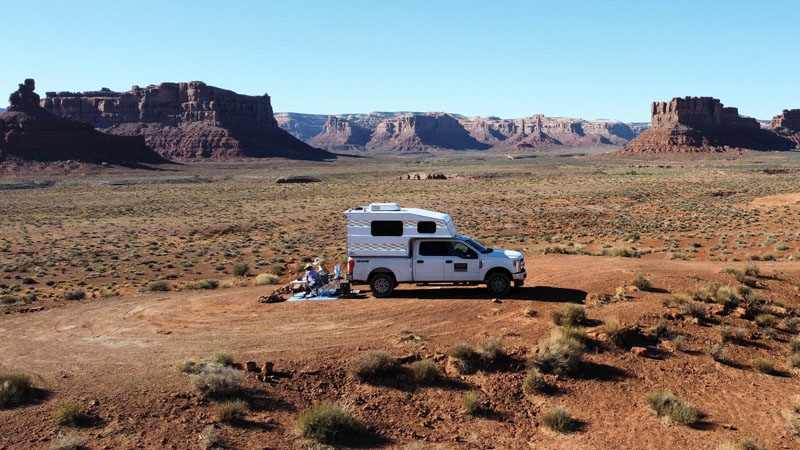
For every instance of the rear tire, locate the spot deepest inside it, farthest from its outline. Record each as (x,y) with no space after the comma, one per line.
(498,284)
(382,285)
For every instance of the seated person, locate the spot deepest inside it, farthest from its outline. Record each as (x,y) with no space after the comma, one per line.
(311,278)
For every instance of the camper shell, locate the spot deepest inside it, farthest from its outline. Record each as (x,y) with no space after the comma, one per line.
(387,229)
(388,245)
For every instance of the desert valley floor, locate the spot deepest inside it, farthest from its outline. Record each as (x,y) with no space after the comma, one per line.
(588,224)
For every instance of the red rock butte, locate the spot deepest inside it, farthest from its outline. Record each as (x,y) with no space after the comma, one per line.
(186,121)
(702,124)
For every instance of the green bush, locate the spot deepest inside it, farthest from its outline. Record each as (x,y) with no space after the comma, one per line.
(558,355)
(241,270)
(231,412)
(577,333)
(534,382)
(471,403)
(559,420)
(762,365)
(794,361)
(694,309)
(70,413)
(157,286)
(372,365)
(794,344)
(765,320)
(749,444)
(568,315)
(207,284)
(623,252)
(264,279)
(613,329)
(678,411)
(490,350)
(728,334)
(329,424)
(424,371)
(725,297)
(641,283)
(15,389)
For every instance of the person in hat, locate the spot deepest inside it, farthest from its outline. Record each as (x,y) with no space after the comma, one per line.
(311,278)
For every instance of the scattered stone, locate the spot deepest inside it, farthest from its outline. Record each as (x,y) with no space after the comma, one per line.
(250,366)
(639,351)
(266,368)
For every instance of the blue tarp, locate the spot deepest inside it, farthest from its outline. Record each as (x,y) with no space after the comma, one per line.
(326,294)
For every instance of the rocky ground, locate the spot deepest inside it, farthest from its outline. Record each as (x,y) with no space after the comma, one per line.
(688,226)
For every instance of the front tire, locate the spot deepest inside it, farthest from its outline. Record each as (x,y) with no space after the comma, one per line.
(518,283)
(382,285)
(498,284)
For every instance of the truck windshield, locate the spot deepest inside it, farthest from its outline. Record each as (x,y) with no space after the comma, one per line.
(478,246)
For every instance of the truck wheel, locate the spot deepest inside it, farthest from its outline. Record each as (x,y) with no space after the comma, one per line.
(382,285)
(518,283)
(498,284)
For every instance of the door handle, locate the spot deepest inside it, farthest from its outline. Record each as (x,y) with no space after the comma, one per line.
(449,261)
(419,261)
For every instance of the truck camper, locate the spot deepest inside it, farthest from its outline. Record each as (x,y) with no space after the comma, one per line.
(388,245)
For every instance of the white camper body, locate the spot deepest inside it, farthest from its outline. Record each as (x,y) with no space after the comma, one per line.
(388,245)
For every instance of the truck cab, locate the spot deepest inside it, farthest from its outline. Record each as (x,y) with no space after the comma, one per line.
(388,245)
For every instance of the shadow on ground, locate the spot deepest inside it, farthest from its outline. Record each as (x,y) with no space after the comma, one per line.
(537,293)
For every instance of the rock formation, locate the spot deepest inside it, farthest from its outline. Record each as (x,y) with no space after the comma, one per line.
(340,133)
(302,126)
(186,121)
(787,125)
(28,132)
(422,132)
(702,124)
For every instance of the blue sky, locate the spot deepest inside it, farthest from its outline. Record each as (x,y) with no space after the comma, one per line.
(589,59)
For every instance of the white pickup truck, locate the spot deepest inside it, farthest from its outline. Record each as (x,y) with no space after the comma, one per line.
(388,245)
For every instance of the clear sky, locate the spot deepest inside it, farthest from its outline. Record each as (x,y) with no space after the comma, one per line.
(589,59)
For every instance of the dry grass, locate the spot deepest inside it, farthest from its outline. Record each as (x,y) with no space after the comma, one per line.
(559,420)
(558,354)
(568,315)
(15,389)
(329,423)
(372,365)
(676,410)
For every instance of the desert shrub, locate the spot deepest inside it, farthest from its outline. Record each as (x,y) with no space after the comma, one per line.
(559,420)
(534,382)
(793,421)
(210,439)
(641,283)
(717,352)
(613,329)
(725,446)
(694,309)
(705,295)
(231,412)
(725,297)
(763,365)
(749,444)
(463,358)
(743,291)
(529,312)
(770,333)
(329,423)
(791,322)
(676,410)
(70,413)
(794,360)
(794,344)
(76,294)
(470,402)
(13,300)
(568,315)
(558,354)
(241,269)
(660,329)
(264,279)
(558,250)
(157,286)
(577,333)
(679,342)
(729,334)
(67,442)
(277,269)
(203,284)
(490,349)
(765,320)
(222,358)
(217,381)
(372,365)
(424,371)
(752,270)
(622,252)
(406,335)
(680,299)
(15,389)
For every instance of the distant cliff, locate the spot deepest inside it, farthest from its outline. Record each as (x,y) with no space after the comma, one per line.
(186,121)
(403,131)
(702,124)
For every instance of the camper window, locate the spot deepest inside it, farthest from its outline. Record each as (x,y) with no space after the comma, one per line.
(426,227)
(387,227)
(433,248)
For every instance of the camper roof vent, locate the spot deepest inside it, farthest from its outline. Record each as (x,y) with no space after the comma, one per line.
(384,207)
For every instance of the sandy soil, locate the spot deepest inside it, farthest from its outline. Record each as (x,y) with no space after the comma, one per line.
(118,357)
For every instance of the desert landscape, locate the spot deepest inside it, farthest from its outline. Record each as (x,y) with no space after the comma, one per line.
(155,241)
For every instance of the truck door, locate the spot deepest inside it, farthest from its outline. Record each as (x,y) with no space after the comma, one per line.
(461,263)
(429,260)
